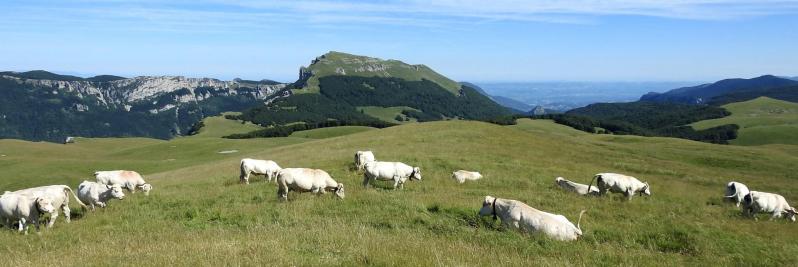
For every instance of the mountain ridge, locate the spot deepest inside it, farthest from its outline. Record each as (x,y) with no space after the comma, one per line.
(702,94)
(37,106)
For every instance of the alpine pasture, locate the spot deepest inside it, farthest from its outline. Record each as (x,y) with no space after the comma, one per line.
(198,213)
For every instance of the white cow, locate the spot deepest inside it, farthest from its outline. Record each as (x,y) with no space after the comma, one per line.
(390,171)
(735,192)
(578,188)
(461,176)
(129,180)
(306,180)
(266,168)
(755,202)
(97,194)
(521,216)
(619,183)
(59,195)
(23,209)
(363,157)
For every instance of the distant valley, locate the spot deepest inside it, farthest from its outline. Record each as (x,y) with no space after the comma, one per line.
(564,96)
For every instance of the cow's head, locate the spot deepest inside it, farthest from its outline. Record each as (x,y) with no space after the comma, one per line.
(339,191)
(646,190)
(146,188)
(44,205)
(487,206)
(790,213)
(116,191)
(416,174)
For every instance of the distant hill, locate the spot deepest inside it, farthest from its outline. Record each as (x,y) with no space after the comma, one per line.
(515,105)
(40,105)
(787,93)
(343,64)
(704,93)
(652,119)
(365,91)
(667,114)
(41,75)
(762,121)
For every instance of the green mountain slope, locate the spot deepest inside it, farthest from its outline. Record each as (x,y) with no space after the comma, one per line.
(198,209)
(395,90)
(762,121)
(337,63)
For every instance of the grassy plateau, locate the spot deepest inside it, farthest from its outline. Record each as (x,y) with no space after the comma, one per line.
(762,121)
(198,214)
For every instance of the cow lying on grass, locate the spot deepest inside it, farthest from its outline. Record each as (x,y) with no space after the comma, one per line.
(461,176)
(516,214)
(578,188)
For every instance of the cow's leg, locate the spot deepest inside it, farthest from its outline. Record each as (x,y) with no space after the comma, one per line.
(395,183)
(67,213)
(365,180)
(53,217)
(21,225)
(101,204)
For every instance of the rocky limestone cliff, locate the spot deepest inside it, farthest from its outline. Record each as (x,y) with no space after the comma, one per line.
(126,93)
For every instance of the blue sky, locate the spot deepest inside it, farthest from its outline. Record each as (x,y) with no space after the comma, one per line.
(468,40)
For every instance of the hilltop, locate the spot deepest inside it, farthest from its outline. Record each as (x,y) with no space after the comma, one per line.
(198,208)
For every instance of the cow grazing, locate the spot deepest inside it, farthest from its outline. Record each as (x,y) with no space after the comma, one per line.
(761,202)
(363,157)
(266,168)
(735,192)
(306,180)
(521,216)
(59,195)
(619,183)
(390,171)
(461,176)
(578,188)
(97,194)
(23,209)
(129,180)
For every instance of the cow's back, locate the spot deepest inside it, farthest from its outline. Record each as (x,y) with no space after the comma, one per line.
(56,193)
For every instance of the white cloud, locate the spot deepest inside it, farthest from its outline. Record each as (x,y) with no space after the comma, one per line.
(218,15)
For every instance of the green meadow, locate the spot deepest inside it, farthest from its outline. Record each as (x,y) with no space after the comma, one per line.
(762,121)
(198,214)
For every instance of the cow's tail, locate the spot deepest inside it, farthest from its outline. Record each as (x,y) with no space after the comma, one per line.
(241,176)
(598,176)
(579,221)
(68,191)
